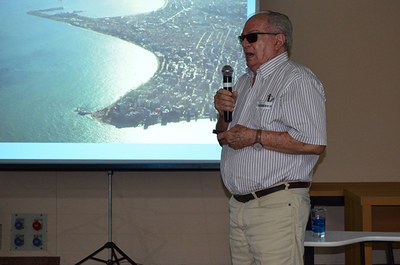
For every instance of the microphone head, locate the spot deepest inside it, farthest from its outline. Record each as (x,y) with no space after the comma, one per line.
(227,70)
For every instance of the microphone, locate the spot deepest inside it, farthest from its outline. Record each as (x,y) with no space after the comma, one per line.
(227,72)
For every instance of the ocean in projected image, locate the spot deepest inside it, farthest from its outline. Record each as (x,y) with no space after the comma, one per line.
(114,71)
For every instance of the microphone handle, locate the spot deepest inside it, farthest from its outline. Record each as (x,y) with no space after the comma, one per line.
(227,116)
(227,83)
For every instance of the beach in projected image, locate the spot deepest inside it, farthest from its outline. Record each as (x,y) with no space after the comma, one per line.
(131,72)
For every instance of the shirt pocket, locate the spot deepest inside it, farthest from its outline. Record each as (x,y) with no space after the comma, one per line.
(265,114)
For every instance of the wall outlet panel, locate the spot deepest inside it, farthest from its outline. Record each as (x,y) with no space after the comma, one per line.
(28,231)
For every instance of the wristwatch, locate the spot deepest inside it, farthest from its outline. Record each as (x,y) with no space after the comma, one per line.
(258,145)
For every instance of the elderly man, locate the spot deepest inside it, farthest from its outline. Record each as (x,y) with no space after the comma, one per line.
(271,146)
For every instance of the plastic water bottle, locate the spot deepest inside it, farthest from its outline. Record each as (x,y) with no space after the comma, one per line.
(318,222)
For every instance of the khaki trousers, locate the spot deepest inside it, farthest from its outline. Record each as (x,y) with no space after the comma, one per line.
(269,230)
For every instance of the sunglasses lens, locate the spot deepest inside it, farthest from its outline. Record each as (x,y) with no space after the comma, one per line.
(251,37)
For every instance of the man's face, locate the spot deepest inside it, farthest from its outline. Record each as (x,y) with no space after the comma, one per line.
(265,48)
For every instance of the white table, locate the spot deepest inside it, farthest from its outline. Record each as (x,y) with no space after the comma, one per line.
(343,238)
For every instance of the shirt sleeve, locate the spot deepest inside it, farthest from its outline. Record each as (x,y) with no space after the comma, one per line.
(304,110)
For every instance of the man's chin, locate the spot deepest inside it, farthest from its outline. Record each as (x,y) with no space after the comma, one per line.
(251,65)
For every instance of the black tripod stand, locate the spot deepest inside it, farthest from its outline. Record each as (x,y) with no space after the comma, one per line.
(113,250)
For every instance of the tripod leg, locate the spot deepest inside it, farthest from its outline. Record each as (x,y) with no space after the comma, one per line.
(124,256)
(114,258)
(92,256)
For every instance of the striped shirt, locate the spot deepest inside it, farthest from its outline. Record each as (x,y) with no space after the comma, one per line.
(285,97)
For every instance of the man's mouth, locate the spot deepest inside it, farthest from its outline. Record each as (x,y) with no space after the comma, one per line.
(249,55)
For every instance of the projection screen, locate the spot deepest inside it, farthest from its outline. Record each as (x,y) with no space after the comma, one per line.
(125,84)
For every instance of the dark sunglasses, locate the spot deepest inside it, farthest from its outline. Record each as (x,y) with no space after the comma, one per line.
(252,37)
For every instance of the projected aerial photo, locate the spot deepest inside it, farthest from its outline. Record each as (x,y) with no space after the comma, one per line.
(115,71)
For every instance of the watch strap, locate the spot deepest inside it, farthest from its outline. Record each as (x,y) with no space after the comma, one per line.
(258,136)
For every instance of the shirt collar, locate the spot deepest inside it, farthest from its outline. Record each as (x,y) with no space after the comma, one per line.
(270,66)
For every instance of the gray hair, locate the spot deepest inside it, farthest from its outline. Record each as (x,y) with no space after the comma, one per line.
(280,23)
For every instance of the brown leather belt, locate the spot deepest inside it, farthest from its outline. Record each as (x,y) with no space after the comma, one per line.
(258,194)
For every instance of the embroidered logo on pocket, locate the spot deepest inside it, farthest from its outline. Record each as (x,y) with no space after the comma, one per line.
(264,104)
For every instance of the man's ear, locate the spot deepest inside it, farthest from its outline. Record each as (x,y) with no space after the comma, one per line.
(280,41)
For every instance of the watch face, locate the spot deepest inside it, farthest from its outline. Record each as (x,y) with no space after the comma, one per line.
(257,146)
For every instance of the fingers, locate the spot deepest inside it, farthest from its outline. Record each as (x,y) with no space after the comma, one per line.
(237,137)
(224,100)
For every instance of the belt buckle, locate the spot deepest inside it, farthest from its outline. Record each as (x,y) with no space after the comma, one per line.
(287,185)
